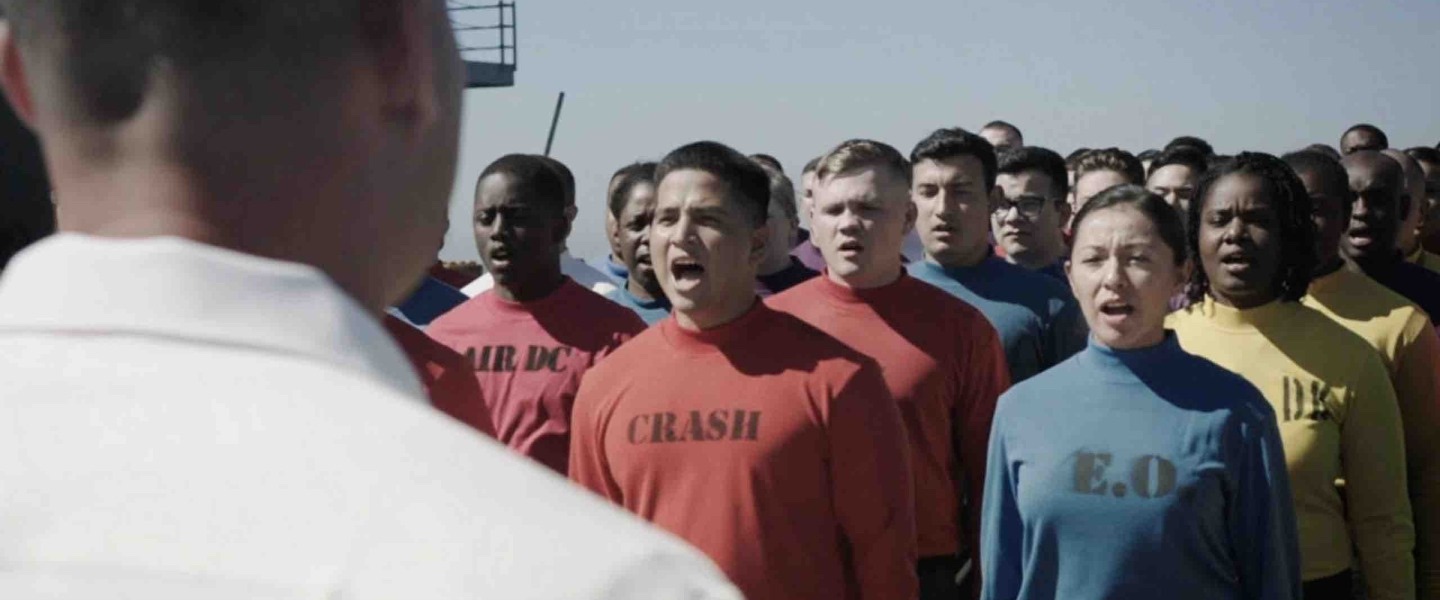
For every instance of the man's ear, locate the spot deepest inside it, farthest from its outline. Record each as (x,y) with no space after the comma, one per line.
(759,241)
(406,60)
(13,78)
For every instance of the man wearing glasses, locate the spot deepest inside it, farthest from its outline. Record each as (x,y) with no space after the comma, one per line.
(1030,212)
(954,192)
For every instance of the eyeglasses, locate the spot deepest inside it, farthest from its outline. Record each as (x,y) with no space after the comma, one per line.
(1029,207)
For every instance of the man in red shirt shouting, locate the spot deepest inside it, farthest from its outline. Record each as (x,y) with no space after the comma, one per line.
(767,444)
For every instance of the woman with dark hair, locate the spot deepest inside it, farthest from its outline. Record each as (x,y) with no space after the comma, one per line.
(1250,228)
(1134,469)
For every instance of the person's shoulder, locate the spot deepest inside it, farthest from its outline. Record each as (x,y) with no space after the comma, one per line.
(595,310)
(506,524)
(469,314)
(925,296)
(798,298)
(797,341)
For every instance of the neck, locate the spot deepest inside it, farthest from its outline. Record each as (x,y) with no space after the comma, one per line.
(529,291)
(968,257)
(701,319)
(1408,247)
(1241,303)
(1328,266)
(775,264)
(1371,263)
(1036,259)
(879,277)
(638,289)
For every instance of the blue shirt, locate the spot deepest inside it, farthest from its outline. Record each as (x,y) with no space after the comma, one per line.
(614,271)
(432,299)
(1037,319)
(651,312)
(1147,473)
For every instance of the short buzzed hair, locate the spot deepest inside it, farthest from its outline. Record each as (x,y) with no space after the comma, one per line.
(768,161)
(1372,130)
(1185,156)
(106,51)
(746,180)
(853,155)
(1111,159)
(566,177)
(1040,160)
(944,144)
(1325,167)
(1424,154)
(1190,141)
(998,124)
(782,193)
(533,175)
(626,179)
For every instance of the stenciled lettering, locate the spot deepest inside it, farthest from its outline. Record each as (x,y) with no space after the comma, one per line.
(1090,472)
(694,426)
(1150,476)
(1318,395)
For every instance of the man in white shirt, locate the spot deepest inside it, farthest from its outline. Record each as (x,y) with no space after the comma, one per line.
(197,399)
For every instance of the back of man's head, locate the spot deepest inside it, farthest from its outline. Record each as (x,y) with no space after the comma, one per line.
(228,121)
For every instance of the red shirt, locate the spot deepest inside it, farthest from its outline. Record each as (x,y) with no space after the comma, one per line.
(530,357)
(448,379)
(944,365)
(765,443)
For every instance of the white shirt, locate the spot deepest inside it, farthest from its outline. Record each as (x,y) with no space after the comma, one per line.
(575,268)
(181,421)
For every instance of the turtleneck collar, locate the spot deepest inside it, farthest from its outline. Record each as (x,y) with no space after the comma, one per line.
(844,294)
(539,305)
(716,339)
(1235,319)
(1130,365)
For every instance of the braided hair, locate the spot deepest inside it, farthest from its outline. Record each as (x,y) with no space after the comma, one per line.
(1296,229)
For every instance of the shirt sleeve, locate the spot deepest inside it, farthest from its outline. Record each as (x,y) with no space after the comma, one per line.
(1372,452)
(1261,514)
(982,378)
(874,493)
(588,464)
(1001,530)
(1068,333)
(1417,387)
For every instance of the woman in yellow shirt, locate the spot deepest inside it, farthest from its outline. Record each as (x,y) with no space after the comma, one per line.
(1250,228)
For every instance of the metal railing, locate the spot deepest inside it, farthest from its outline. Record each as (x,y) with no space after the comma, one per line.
(485,31)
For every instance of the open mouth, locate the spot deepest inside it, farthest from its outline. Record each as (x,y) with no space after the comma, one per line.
(851,247)
(1117,308)
(686,269)
(1236,262)
(1360,237)
(499,254)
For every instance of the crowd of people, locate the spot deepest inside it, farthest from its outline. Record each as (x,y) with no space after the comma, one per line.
(983,369)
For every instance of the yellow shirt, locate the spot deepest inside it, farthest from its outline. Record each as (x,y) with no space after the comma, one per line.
(1410,350)
(1338,420)
(1429,260)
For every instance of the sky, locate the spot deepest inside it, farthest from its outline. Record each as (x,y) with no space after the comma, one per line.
(793,78)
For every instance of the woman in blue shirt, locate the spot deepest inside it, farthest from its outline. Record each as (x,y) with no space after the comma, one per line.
(1134,469)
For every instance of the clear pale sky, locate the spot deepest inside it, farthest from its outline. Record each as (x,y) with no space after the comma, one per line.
(792,78)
